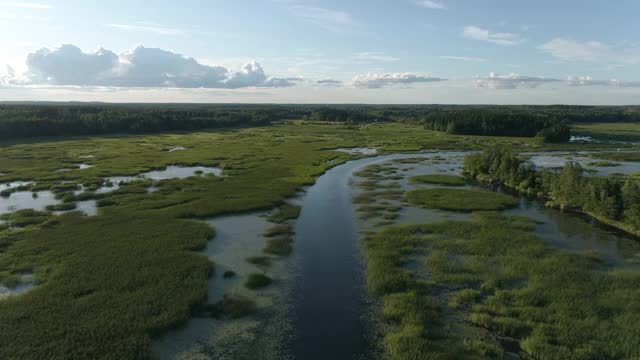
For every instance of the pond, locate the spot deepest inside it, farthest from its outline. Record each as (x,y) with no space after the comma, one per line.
(170,172)
(558,160)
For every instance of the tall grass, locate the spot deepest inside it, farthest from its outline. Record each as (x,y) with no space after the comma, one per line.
(501,285)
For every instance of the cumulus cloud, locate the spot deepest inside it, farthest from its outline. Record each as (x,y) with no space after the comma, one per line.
(570,50)
(431,4)
(141,67)
(478,33)
(68,65)
(376,81)
(510,81)
(281,82)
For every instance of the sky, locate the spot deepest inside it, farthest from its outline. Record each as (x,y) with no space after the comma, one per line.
(322,51)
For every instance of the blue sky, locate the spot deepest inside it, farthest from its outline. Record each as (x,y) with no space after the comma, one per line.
(377,51)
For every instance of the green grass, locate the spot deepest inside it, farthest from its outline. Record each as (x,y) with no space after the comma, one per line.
(285,212)
(280,246)
(628,131)
(461,200)
(257,281)
(259,260)
(437,179)
(499,281)
(279,230)
(82,269)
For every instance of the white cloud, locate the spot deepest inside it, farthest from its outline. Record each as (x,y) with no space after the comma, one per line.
(374,56)
(376,81)
(510,81)
(329,82)
(28,5)
(593,51)
(463,58)
(477,33)
(151,28)
(430,4)
(589,81)
(141,67)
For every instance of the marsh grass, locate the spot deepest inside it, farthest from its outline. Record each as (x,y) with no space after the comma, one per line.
(461,200)
(257,281)
(280,246)
(439,179)
(279,230)
(26,217)
(284,213)
(231,307)
(505,289)
(259,260)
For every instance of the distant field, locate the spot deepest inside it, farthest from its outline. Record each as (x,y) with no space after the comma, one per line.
(619,131)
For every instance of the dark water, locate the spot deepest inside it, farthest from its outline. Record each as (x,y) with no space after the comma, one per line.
(328,312)
(330,309)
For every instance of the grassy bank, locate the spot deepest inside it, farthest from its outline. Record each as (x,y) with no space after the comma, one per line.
(439,179)
(461,200)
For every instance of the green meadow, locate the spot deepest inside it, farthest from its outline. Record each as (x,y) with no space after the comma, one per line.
(439,179)
(460,200)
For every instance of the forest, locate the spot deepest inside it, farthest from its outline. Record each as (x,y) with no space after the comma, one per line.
(613,199)
(551,123)
(499,122)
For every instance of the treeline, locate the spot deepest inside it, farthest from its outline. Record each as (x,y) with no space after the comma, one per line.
(347,115)
(498,122)
(58,119)
(17,121)
(612,199)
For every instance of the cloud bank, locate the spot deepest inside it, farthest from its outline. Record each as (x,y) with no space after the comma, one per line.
(141,67)
(589,81)
(376,81)
(510,81)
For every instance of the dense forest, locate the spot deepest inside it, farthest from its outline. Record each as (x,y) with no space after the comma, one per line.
(614,199)
(55,120)
(498,122)
(58,119)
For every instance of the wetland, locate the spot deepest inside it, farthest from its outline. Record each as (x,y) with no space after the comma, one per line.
(316,240)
